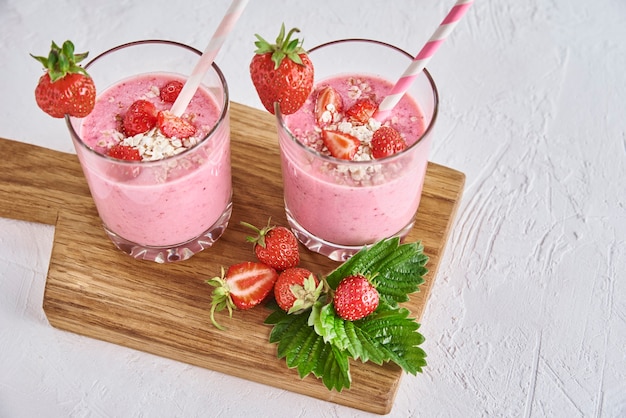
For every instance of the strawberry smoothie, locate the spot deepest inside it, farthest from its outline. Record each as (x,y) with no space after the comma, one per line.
(176,201)
(336,206)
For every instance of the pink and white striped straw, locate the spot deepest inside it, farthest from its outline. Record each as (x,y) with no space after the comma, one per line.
(208,56)
(422,58)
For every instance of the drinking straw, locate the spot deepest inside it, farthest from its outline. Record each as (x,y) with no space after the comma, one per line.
(206,60)
(421,59)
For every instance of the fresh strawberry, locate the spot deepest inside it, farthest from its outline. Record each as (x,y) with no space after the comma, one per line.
(275,246)
(328,105)
(362,110)
(172,126)
(124,152)
(355,298)
(297,289)
(244,286)
(65,88)
(340,145)
(282,72)
(170,91)
(140,117)
(386,141)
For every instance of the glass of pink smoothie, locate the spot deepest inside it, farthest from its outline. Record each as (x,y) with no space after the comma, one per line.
(336,206)
(176,201)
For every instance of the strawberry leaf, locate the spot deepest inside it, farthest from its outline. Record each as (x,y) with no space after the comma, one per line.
(306,351)
(391,335)
(318,341)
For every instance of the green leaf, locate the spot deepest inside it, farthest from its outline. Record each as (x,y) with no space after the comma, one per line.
(393,337)
(319,342)
(306,351)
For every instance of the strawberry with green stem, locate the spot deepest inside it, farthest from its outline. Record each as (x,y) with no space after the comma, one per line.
(282,72)
(243,286)
(297,289)
(65,88)
(275,246)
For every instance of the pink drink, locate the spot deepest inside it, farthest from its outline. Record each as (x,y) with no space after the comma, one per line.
(365,205)
(176,201)
(335,206)
(160,204)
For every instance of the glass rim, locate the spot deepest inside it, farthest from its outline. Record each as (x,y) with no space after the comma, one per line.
(397,155)
(222,117)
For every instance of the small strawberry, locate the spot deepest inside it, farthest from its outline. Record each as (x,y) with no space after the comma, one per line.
(124,152)
(328,105)
(140,117)
(340,145)
(65,88)
(275,246)
(297,289)
(282,72)
(244,286)
(172,126)
(355,298)
(386,141)
(362,110)
(170,91)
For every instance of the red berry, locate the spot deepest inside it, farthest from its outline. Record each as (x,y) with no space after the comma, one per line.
(282,73)
(170,91)
(244,286)
(124,152)
(386,141)
(140,117)
(361,111)
(355,298)
(174,127)
(340,145)
(275,246)
(328,105)
(296,289)
(65,88)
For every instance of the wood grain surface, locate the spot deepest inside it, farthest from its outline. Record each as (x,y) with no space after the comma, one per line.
(95,290)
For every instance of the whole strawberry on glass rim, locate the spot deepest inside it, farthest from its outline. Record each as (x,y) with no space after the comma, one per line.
(282,72)
(65,88)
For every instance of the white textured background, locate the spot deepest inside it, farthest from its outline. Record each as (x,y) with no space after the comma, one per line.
(528,313)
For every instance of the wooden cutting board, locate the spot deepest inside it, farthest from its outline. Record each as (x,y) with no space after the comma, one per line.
(95,290)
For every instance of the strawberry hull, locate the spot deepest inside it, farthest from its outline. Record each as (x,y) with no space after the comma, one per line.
(336,207)
(163,209)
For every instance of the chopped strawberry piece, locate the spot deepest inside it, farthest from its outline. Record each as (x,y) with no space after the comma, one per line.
(139,118)
(328,105)
(173,126)
(249,283)
(386,141)
(124,152)
(340,145)
(361,111)
(169,93)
